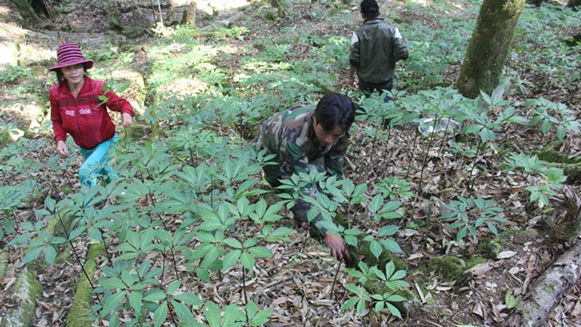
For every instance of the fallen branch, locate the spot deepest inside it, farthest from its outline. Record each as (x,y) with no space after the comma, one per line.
(548,290)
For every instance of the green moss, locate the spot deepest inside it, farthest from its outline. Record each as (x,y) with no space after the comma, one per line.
(27,291)
(64,255)
(490,248)
(473,262)
(447,267)
(77,316)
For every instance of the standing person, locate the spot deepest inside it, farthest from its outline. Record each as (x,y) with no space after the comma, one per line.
(375,48)
(306,139)
(77,110)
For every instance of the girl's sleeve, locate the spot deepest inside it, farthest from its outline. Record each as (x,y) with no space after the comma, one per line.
(55,116)
(116,103)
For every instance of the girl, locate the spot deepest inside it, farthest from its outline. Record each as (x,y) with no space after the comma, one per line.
(77,110)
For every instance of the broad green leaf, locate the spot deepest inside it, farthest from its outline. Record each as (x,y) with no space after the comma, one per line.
(182,311)
(378,297)
(231,315)
(50,254)
(230,259)
(375,204)
(31,255)
(360,307)
(173,286)
(395,298)
(351,240)
(260,252)
(388,230)
(189,298)
(135,301)
(50,203)
(233,243)
(261,317)
(391,206)
(251,308)
(398,275)
(391,246)
(389,269)
(211,256)
(112,303)
(250,243)
(154,295)
(352,288)
(112,283)
(375,249)
(247,260)
(461,233)
(212,314)
(160,314)
(349,303)
(394,311)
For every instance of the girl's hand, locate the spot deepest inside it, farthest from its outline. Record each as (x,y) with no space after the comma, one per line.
(61,148)
(127,119)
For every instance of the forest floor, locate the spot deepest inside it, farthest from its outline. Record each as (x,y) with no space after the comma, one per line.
(297,281)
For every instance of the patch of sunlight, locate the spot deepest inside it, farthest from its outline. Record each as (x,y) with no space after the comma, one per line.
(420,2)
(8,55)
(263,66)
(213,6)
(228,49)
(11,32)
(31,53)
(183,54)
(184,87)
(135,94)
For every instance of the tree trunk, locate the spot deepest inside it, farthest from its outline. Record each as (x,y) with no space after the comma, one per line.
(489,46)
(32,10)
(26,11)
(536,3)
(574,3)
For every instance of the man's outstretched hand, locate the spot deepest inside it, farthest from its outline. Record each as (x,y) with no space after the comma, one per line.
(337,247)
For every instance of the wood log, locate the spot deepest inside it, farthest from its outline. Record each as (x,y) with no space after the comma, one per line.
(548,290)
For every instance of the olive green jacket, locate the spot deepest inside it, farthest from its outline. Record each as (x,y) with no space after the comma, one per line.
(375,48)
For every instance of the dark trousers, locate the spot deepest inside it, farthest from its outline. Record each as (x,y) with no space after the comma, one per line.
(368,88)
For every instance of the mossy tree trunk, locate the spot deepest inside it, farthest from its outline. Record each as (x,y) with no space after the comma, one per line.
(489,46)
(32,10)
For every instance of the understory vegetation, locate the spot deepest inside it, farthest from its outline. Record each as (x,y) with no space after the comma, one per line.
(191,235)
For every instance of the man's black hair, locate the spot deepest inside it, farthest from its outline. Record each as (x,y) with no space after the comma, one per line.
(335,110)
(369,8)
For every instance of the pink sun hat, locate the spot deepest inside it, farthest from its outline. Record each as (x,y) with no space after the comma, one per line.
(69,54)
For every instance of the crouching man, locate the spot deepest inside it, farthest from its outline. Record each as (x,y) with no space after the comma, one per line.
(304,139)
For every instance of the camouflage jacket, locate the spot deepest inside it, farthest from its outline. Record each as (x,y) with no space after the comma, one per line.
(291,137)
(375,48)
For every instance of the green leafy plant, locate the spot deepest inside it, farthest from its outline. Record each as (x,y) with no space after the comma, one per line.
(549,114)
(471,214)
(549,180)
(393,282)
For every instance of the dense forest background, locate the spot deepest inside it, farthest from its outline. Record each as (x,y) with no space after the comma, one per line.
(476,224)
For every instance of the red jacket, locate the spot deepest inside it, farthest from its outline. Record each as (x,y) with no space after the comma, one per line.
(88,123)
